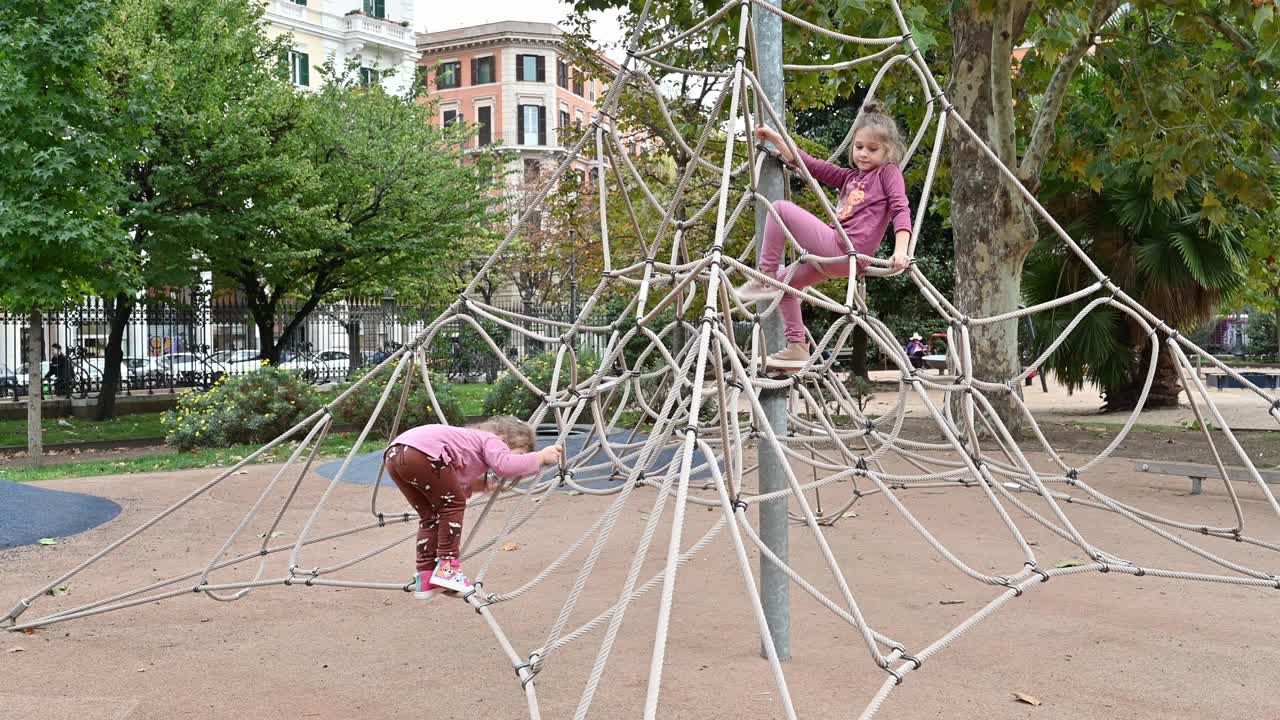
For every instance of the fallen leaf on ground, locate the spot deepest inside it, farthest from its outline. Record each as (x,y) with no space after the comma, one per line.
(950,602)
(56,591)
(275,534)
(28,631)
(47,541)
(1068,563)
(16,648)
(508,547)
(1028,699)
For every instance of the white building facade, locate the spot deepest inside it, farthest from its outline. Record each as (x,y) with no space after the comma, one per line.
(377,32)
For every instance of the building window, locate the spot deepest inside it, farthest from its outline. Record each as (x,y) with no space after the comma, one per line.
(531,124)
(562,74)
(303,3)
(299,68)
(564,119)
(482,70)
(375,8)
(448,75)
(531,68)
(591,90)
(367,77)
(450,117)
(577,118)
(484,118)
(577,82)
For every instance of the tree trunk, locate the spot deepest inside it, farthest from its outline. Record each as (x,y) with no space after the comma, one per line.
(1166,386)
(992,229)
(35,389)
(858,346)
(119,320)
(264,317)
(1277,324)
(353,346)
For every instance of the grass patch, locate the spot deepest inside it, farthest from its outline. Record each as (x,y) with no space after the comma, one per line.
(334,446)
(471,397)
(126,427)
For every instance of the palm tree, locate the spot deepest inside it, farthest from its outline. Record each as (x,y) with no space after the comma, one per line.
(1164,253)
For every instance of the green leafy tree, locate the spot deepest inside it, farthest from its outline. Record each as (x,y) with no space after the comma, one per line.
(382,199)
(1205,69)
(57,169)
(1164,253)
(195,82)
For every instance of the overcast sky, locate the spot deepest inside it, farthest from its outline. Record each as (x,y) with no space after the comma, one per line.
(432,15)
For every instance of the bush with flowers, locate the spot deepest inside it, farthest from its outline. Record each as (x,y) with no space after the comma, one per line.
(356,408)
(252,408)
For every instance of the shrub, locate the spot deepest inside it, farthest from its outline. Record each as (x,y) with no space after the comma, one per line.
(509,396)
(252,408)
(358,406)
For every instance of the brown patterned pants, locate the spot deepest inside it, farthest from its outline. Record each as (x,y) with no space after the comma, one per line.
(435,492)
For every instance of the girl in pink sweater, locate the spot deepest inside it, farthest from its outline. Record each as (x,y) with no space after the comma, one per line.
(437,467)
(871,195)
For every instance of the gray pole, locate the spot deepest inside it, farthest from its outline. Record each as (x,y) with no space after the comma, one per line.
(775,586)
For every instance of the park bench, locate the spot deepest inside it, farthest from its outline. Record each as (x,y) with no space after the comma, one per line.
(1198,472)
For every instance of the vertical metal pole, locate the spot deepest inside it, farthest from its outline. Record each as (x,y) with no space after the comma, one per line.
(573,275)
(775,587)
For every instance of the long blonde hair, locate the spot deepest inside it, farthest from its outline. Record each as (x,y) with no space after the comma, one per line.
(874,117)
(512,431)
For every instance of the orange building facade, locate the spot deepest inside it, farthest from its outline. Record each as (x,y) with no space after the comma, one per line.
(513,80)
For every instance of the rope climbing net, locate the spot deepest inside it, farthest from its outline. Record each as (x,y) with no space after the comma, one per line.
(697,389)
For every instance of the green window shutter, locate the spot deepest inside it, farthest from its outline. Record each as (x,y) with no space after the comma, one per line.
(304,71)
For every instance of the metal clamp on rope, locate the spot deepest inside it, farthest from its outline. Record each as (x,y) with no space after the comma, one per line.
(691,428)
(1017,591)
(1044,576)
(897,676)
(740,504)
(861,465)
(1072,476)
(913,660)
(382,521)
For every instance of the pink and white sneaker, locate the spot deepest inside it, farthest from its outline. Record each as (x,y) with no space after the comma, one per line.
(422,588)
(449,576)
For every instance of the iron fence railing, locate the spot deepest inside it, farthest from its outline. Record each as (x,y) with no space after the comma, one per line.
(183,339)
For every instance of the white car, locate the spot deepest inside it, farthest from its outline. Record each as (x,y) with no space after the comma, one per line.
(191,369)
(238,362)
(326,366)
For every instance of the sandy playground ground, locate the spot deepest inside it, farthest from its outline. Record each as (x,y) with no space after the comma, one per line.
(1105,647)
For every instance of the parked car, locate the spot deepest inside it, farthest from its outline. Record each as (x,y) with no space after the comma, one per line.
(326,366)
(9,383)
(191,369)
(146,372)
(238,362)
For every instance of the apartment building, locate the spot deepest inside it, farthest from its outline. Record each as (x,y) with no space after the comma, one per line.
(377,32)
(514,81)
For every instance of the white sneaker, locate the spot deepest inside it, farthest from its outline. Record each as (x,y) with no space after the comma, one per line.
(448,576)
(756,290)
(795,357)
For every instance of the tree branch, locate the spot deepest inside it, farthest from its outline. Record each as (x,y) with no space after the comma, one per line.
(1003,130)
(1042,130)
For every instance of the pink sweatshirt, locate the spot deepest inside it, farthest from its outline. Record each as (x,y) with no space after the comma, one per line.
(868,200)
(469,452)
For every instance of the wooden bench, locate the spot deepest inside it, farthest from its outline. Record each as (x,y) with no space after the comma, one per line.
(1198,473)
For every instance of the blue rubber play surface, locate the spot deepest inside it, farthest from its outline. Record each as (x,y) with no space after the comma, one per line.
(29,513)
(364,468)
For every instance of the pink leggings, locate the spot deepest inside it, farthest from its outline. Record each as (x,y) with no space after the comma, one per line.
(817,238)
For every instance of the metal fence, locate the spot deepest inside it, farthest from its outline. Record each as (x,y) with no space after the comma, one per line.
(188,339)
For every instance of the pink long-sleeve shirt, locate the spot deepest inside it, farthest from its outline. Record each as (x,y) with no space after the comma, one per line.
(869,200)
(469,452)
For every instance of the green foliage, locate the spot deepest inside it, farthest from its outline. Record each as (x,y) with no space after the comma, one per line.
(252,408)
(1165,254)
(418,409)
(58,231)
(511,397)
(1262,337)
(361,188)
